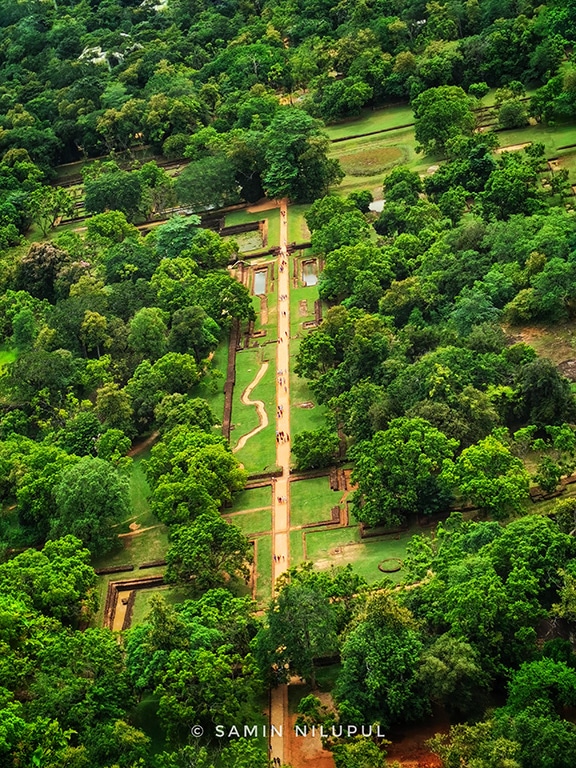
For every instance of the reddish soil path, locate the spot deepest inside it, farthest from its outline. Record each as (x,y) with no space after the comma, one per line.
(281,488)
(308,752)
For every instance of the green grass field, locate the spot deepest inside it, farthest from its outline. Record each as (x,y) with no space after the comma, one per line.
(296,547)
(244,417)
(259,453)
(7,355)
(264,569)
(139,548)
(311,500)
(298,231)
(367,160)
(273,216)
(340,546)
(171,595)
(253,522)
(372,120)
(253,498)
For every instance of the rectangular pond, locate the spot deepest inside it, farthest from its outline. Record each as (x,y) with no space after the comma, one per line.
(260,281)
(309,272)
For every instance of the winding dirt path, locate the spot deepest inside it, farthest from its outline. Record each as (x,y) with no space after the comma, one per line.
(260,408)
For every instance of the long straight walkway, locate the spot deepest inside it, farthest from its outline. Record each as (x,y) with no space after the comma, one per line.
(281,488)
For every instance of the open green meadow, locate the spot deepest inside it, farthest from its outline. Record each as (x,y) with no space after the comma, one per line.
(298,231)
(253,521)
(372,120)
(264,568)
(259,452)
(272,215)
(144,597)
(343,546)
(252,498)
(7,355)
(366,160)
(312,500)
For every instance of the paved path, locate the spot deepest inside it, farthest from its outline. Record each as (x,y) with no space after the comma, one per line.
(281,488)
(260,408)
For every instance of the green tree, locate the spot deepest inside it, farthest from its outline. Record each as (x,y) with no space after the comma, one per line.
(116,191)
(38,270)
(208,183)
(545,395)
(300,628)
(315,449)
(92,498)
(491,477)
(512,114)
(148,333)
(551,683)
(440,115)
(378,681)
(114,407)
(24,328)
(476,746)
(57,581)
(398,472)
(191,472)
(178,409)
(402,185)
(359,753)
(48,205)
(295,157)
(347,229)
(193,331)
(451,675)
(108,228)
(176,236)
(93,331)
(207,552)
(195,658)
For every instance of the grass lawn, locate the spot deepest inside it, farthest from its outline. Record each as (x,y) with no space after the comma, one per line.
(364,554)
(311,500)
(264,569)
(171,595)
(253,498)
(273,216)
(296,547)
(211,388)
(7,355)
(253,522)
(551,136)
(304,418)
(301,418)
(372,120)
(298,231)
(143,547)
(248,363)
(259,453)
(366,161)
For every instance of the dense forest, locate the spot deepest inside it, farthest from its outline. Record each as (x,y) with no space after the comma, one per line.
(108,334)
